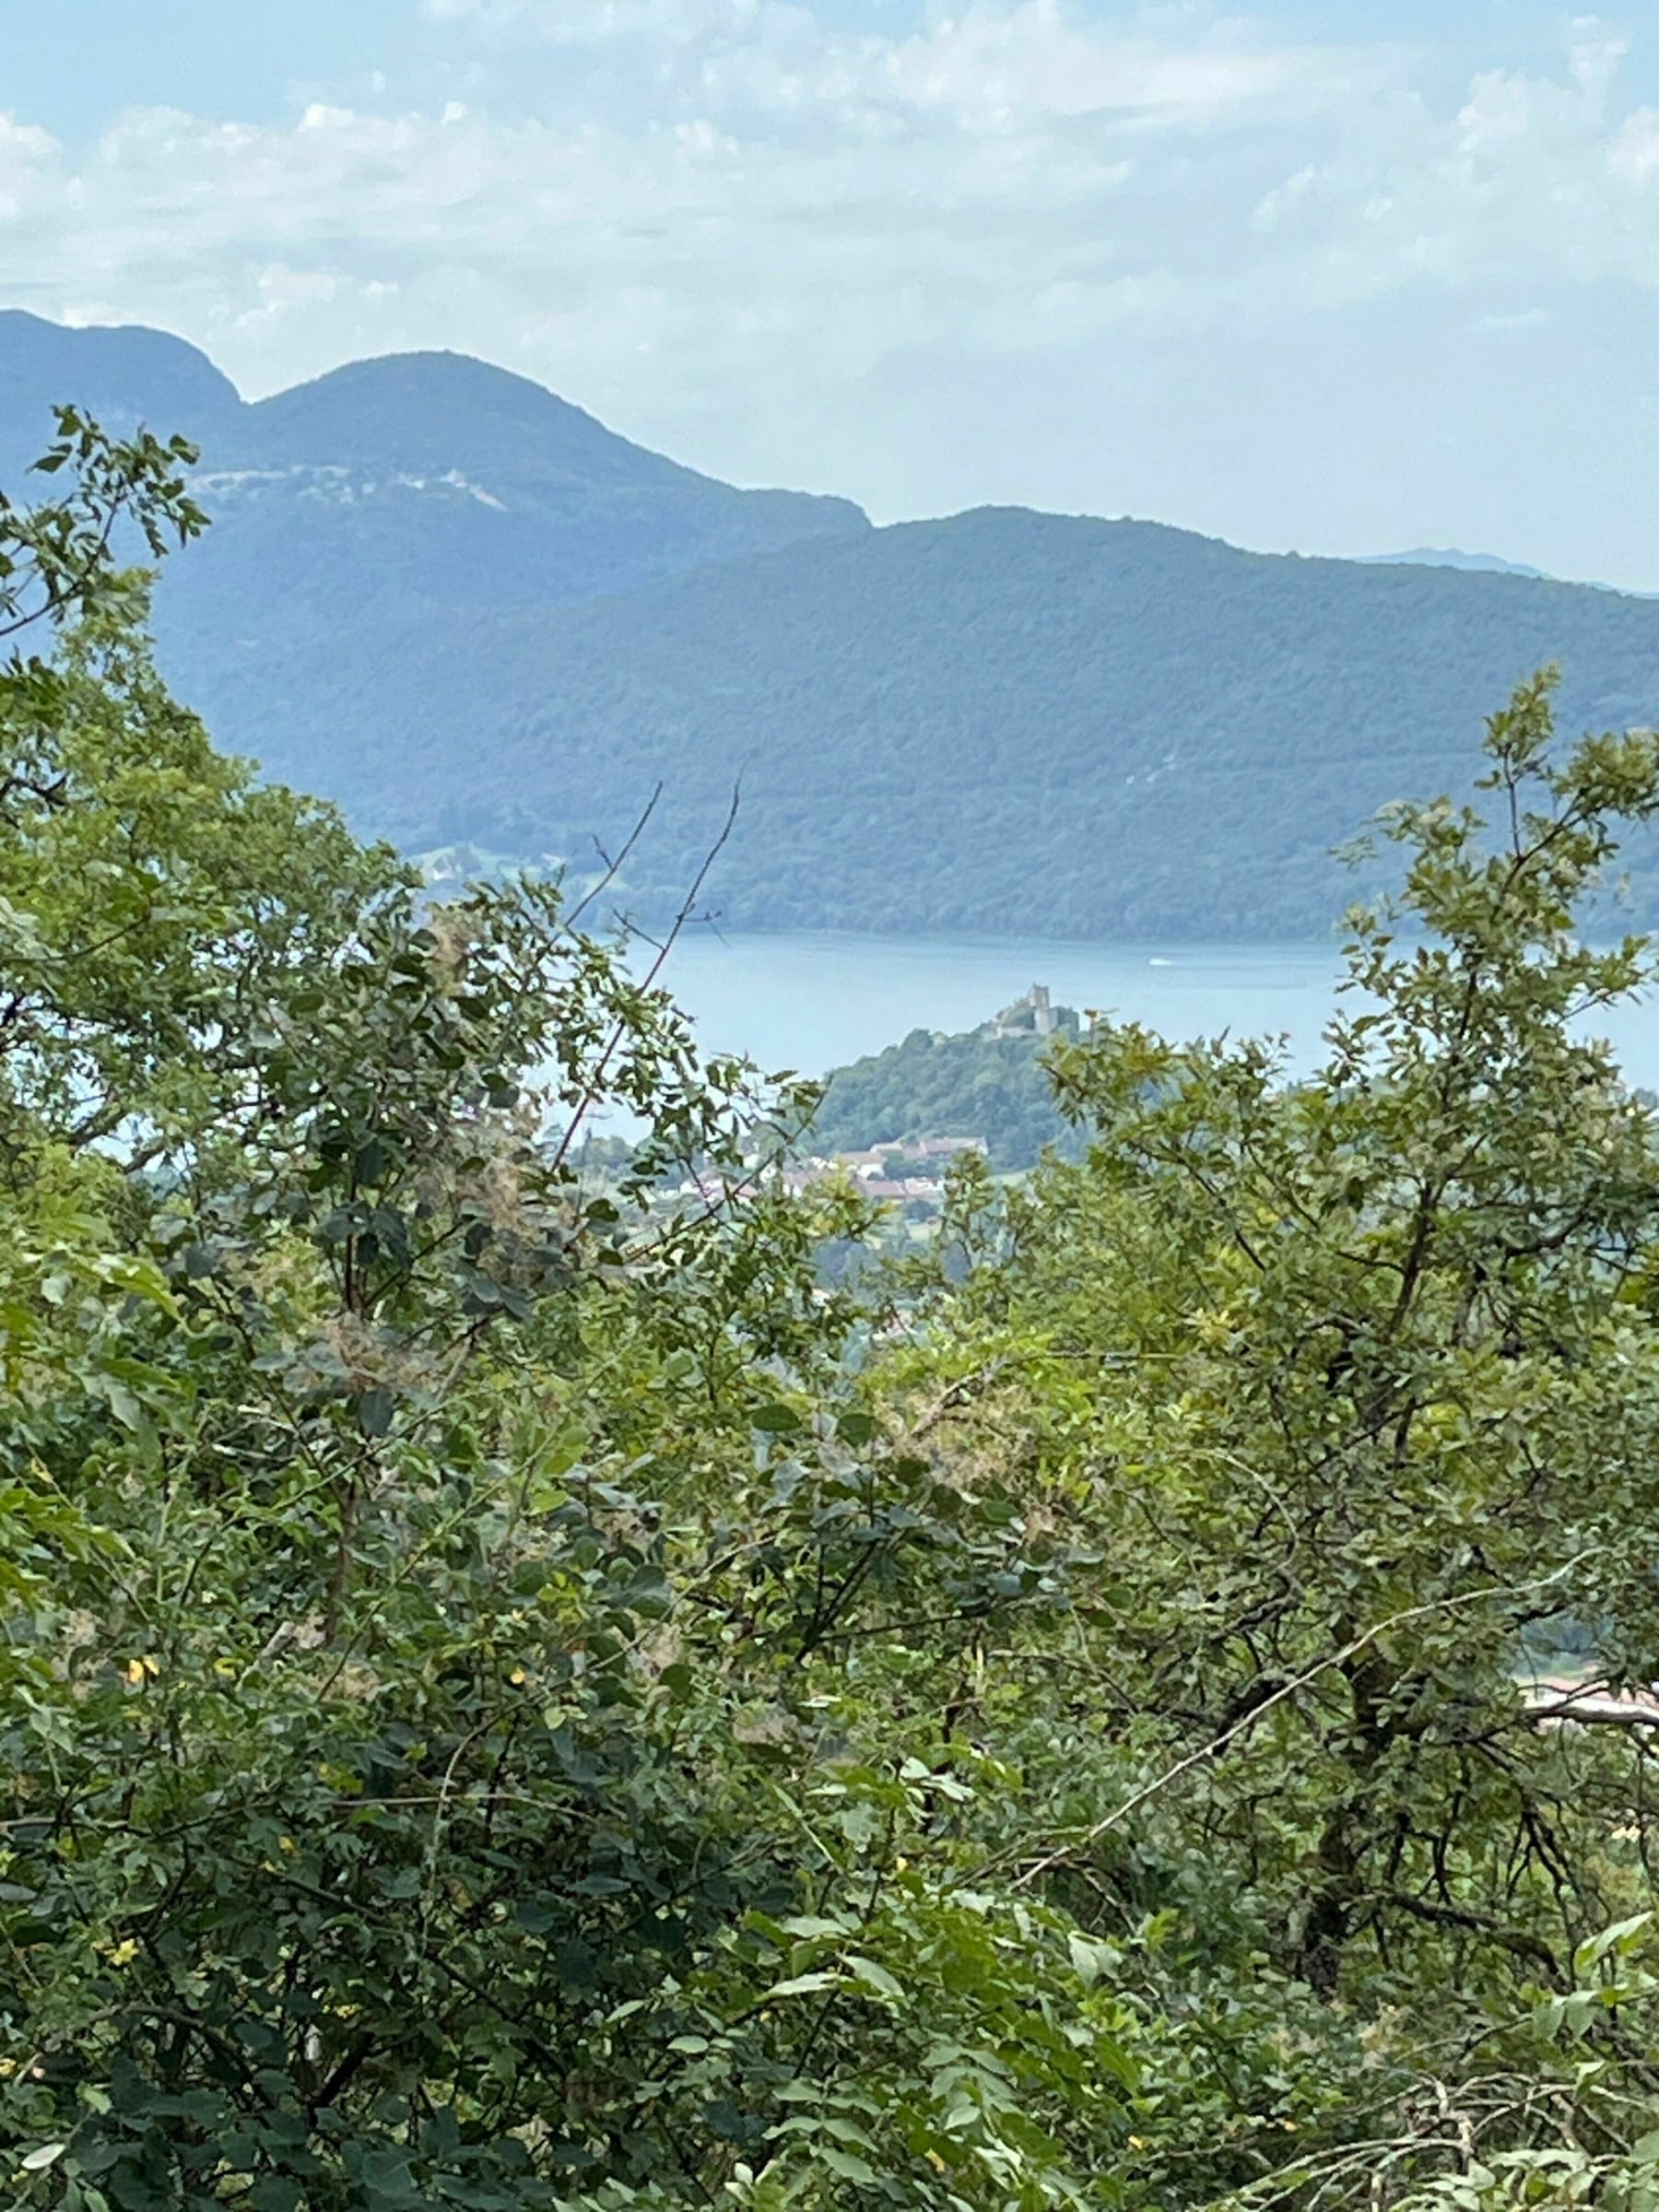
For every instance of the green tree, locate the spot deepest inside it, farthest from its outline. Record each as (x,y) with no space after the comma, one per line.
(513,1695)
(152,893)
(436,1769)
(1350,1386)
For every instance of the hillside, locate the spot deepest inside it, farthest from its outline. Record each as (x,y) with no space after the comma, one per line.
(463,607)
(1004,722)
(125,376)
(425,480)
(991,1083)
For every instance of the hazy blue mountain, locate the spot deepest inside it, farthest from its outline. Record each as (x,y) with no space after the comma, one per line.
(1450,557)
(419,481)
(124,376)
(1002,721)
(467,610)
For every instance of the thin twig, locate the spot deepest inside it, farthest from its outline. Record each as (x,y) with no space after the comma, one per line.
(1218,1744)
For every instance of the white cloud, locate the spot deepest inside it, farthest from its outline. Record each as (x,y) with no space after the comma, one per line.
(1271,208)
(284,292)
(1633,157)
(792,191)
(26,156)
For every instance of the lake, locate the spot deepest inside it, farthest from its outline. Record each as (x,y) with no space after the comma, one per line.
(813,1000)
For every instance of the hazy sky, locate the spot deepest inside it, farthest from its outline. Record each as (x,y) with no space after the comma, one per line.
(1337,275)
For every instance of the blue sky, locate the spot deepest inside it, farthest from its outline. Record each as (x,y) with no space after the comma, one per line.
(1327,274)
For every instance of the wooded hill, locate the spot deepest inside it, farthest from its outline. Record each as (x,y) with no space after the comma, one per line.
(992,1082)
(466,611)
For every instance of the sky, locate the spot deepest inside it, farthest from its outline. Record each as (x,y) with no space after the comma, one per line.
(1325,275)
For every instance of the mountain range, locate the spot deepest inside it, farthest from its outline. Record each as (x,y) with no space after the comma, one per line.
(477,617)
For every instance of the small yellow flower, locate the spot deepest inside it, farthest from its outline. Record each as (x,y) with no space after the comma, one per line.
(122,1954)
(518,1675)
(287,1843)
(137,1672)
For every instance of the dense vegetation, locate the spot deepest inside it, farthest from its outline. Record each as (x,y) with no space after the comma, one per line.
(992,1083)
(512,1698)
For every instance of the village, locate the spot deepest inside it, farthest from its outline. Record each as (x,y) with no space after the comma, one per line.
(910,1172)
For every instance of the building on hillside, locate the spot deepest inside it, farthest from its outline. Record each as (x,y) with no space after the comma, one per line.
(1034,1015)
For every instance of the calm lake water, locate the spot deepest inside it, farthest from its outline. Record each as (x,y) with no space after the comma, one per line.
(813,1000)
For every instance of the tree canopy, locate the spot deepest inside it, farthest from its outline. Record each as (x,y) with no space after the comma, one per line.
(514,1695)
(992,1083)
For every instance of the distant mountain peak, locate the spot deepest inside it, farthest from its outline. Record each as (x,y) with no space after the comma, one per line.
(429,389)
(1452,556)
(409,481)
(125,373)
(428,415)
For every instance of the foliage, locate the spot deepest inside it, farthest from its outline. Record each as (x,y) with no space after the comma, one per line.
(981,1083)
(435,1769)
(1360,1373)
(514,1695)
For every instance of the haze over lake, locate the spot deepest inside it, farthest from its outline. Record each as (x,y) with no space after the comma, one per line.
(815,1000)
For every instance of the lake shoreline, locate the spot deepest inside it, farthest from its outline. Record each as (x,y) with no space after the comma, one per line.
(813,1000)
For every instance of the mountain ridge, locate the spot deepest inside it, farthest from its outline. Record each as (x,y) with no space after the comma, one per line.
(1001,721)
(1454,556)
(383,480)
(467,611)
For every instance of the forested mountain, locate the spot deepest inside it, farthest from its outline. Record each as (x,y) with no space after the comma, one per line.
(1002,722)
(124,376)
(461,607)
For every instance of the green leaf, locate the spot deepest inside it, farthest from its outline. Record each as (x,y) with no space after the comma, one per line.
(375,1409)
(876,1976)
(1623,1936)
(847,2163)
(776,1420)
